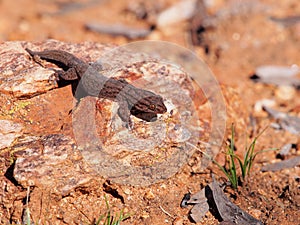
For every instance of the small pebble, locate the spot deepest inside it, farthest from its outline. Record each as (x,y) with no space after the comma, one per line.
(127,191)
(180,11)
(178,221)
(258,107)
(255,212)
(149,195)
(271,71)
(145,215)
(285,93)
(163,186)
(284,151)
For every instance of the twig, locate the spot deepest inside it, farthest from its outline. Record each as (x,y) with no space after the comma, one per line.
(167,213)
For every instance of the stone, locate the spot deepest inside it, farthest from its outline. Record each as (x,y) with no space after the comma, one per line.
(9,131)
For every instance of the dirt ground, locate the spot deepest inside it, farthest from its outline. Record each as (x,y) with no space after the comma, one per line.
(241,39)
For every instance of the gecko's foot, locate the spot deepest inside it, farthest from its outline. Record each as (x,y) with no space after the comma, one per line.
(54,78)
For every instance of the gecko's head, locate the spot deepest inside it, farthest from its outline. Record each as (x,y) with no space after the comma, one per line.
(150,103)
(158,105)
(148,107)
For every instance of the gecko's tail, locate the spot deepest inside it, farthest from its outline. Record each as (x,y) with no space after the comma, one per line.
(32,53)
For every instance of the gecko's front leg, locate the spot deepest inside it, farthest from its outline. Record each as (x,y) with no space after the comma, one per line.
(124,113)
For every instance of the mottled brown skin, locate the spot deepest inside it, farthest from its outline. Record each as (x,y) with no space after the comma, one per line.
(138,102)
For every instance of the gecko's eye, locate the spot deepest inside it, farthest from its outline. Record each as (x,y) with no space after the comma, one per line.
(152,106)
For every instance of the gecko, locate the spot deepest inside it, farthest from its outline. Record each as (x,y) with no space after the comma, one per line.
(138,102)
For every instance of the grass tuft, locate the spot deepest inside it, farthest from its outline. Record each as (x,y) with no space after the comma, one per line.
(111,219)
(245,164)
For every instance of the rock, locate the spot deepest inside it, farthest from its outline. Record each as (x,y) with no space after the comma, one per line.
(19,76)
(285,93)
(50,162)
(180,11)
(150,153)
(278,75)
(9,131)
(271,71)
(149,195)
(178,221)
(260,104)
(287,122)
(119,29)
(135,158)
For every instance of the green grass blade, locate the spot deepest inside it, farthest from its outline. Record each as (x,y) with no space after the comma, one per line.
(28,216)
(245,164)
(99,220)
(249,157)
(242,166)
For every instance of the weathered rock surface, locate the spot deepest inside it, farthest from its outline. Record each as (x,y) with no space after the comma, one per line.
(51,162)
(59,152)
(9,131)
(151,152)
(18,76)
(22,77)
